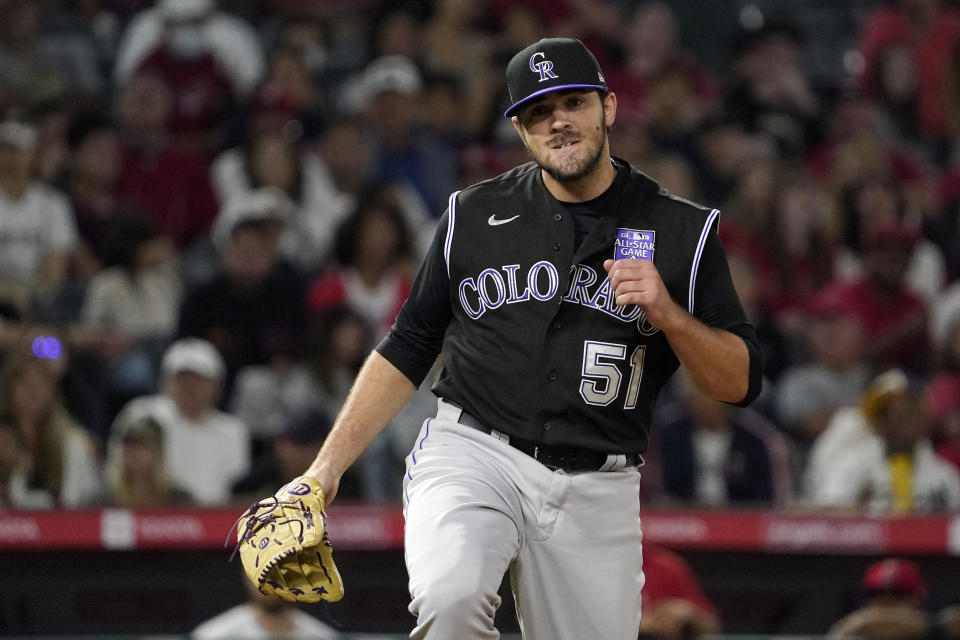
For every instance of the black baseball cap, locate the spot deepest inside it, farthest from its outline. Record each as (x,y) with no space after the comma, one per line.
(552,64)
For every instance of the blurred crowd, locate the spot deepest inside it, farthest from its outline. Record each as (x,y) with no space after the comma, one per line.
(211,210)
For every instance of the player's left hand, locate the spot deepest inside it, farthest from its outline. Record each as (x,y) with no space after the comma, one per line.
(638,282)
(284,546)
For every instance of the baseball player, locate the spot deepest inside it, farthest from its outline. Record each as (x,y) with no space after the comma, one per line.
(562,296)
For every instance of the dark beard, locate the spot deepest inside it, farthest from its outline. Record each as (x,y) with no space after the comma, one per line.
(568,178)
(588,167)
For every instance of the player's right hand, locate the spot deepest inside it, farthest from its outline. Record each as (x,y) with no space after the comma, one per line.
(638,282)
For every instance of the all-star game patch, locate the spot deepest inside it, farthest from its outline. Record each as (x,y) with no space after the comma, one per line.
(634,243)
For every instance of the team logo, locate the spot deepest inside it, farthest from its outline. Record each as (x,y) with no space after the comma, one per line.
(299,489)
(540,64)
(634,243)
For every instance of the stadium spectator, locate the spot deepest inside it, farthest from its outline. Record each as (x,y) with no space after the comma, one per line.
(878,201)
(264,396)
(136,473)
(191,27)
(719,456)
(773,343)
(254,302)
(651,49)
(722,144)
(92,168)
(290,95)
(203,99)
(674,605)
(130,309)
(270,158)
(37,229)
(926,29)
(878,456)
(372,269)
(290,451)
(809,394)
(942,399)
(14,490)
(206,450)
(894,318)
(171,184)
(893,597)
(262,617)
(39,69)
(782,220)
(60,459)
(340,339)
(771,93)
(388,94)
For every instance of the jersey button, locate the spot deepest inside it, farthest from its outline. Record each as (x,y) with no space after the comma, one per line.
(556,246)
(557,217)
(557,324)
(546,425)
(553,376)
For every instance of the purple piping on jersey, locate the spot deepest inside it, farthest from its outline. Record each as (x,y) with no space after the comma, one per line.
(699,253)
(562,87)
(413,455)
(452,208)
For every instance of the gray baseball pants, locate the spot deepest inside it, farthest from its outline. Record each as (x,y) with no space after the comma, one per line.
(475,508)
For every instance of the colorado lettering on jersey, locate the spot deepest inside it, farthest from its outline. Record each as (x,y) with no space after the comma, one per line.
(493,288)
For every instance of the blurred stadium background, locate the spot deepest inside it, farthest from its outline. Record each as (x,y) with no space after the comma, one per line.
(210,210)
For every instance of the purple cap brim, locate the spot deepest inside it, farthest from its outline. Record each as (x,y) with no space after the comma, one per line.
(560,87)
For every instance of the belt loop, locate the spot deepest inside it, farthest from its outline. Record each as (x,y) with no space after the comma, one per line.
(614,462)
(448,410)
(499,435)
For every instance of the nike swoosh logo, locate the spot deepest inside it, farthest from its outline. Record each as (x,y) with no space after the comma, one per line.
(493,221)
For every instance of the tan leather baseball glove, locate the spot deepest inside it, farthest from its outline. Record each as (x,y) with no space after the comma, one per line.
(284,546)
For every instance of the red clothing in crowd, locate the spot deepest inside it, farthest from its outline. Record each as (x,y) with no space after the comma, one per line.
(932,50)
(669,577)
(173,186)
(342,288)
(201,90)
(883,319)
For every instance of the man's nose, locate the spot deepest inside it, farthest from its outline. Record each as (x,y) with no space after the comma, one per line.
(559,120)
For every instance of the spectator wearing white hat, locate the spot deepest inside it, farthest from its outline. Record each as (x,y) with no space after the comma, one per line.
(202,27)
(389,95)
(206,450)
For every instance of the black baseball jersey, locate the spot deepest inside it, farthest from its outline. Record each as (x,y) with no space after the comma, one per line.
(533,342)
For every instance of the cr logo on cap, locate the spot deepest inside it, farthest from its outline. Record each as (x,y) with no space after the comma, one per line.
(544,67)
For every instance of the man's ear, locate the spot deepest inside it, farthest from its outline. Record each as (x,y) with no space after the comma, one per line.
(519,127)
(609,108)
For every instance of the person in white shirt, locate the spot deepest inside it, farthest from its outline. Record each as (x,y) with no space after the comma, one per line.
(206,450)
(878,456)
(37,228)
(262,618)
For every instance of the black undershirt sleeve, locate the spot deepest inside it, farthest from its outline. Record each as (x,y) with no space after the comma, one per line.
(717,305)
(416,337)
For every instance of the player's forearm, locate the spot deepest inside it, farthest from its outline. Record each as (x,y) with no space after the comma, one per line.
(717,361)
(378,393)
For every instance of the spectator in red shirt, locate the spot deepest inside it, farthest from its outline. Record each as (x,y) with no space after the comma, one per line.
(894,318)
(170,183)
(929,31)
(674,606)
